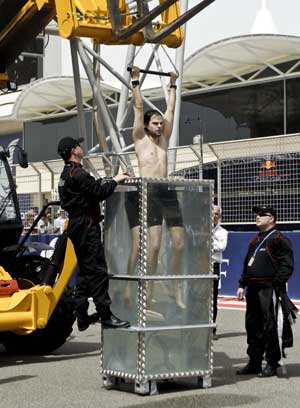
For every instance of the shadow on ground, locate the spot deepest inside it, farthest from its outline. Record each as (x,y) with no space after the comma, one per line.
(71,350)
(231,334)
(16,379)
(203,401)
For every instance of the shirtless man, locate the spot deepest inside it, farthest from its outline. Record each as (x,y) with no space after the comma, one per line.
(151,135)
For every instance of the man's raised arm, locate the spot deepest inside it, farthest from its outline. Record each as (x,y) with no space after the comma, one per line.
(169,115)
(138,131)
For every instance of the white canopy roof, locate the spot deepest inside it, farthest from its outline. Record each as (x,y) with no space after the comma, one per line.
(237,56)
(213,65)
(43,97)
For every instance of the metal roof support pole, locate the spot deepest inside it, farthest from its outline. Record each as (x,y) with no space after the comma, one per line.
(124,89)
(51,172)
(101,105)
(284,107)
(219,185)
(179,61)
(100,130)
(97,58)
(162,78)
(199,155)
(39,185)
(219,169)
(78,92)
(52,185)
(99,126)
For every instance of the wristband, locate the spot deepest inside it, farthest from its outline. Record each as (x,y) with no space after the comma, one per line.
(135,83)
(173,86)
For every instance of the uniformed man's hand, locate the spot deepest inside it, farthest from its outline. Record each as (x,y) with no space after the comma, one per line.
(240,294)
(119,178)
(135,73)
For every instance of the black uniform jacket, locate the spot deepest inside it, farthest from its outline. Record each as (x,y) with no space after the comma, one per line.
(272,262)
(80,193)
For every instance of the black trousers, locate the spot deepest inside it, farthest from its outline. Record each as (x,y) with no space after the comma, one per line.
(216,290)
(92,278)
(261,325)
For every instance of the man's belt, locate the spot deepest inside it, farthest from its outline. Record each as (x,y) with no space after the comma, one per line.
(262,279)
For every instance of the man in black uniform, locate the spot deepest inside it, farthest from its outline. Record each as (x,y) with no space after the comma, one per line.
(267,267)
(80,195)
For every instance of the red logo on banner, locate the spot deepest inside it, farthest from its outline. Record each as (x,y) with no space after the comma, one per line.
(268,169)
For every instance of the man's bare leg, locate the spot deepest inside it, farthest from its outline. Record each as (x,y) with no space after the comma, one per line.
(132,261)
(154,243)
(177,238)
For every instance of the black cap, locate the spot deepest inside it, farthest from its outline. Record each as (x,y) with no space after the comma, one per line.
(264,210)
(66,144)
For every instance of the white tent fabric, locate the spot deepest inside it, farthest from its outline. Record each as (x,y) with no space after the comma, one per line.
(232,58)
(261,146)
(48,95)
(43,97)
(237,56)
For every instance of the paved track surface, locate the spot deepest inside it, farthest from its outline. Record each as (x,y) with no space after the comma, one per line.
(229,302)
(70,377)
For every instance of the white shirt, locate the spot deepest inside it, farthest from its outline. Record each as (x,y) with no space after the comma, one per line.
(59,223)
(42,227)
(220,236)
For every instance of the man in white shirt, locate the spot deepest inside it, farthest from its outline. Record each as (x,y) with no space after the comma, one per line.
(59,222)
(220,236)
(43,225)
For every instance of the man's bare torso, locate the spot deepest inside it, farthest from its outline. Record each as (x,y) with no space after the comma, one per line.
(152,157)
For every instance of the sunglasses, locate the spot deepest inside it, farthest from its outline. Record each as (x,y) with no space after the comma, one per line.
(263,214)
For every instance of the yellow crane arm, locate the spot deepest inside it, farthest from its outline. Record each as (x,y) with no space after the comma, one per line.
(104,21)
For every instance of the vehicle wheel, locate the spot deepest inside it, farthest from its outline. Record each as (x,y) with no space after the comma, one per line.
(58,329)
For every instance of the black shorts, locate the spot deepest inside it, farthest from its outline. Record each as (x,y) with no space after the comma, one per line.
(162,204)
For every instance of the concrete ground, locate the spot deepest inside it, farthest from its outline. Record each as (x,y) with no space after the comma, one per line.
(70,377)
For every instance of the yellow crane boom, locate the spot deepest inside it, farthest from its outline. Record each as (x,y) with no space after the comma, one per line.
(104,21)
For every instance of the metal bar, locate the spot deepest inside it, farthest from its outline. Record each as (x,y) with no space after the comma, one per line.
(81,120)
(160,35)
(150,72)
(51,172)
(163,83)
(39,186)
(199,156)
(219,183)
(124,92)
(179,61)
(78,92)
(142,21)
(168,328)
(284,107)
(101,105)
(107,66)
(161,277)
(100,130)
